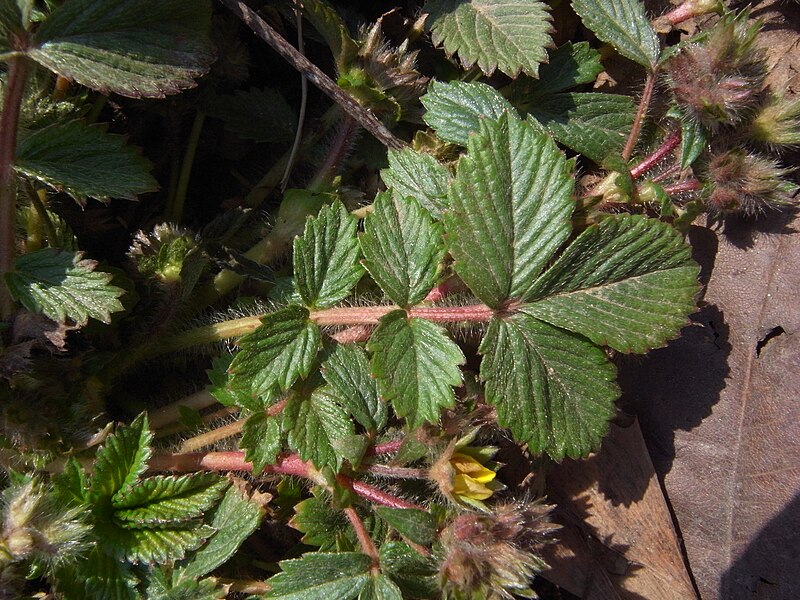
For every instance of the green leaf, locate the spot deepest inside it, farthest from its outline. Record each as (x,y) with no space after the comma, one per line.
(135,48)
(594,125)
(315,422)
(63,286)
(260,115)
(416,365)
(415,575)
(569,66)
(158,586)
(351,384)
(624,25)
(330,25)
(628,282)
(511,35)
(419,176)
(416,525)
(106,578)
(326,263)
(511,203)
(222,387)
(380,587)
(235,519)
(455,110)
(321,576)
(121,460)
(71,484)
(402,247)
(85,161)
(167,500)
(153,546)
(262,440)
(694,139)
(12,22)
(320,524)
(553,389)
(273,356)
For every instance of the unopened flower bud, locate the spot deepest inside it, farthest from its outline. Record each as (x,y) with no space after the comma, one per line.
(777,123)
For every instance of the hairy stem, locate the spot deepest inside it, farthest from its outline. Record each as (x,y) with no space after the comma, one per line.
(376,495)
(366,543)
(212,437)
(396,472)
(172,412)
(641,114)
(690,185)
(335,156)
(667,146)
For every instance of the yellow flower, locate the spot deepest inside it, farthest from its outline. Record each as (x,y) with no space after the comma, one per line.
(470,477)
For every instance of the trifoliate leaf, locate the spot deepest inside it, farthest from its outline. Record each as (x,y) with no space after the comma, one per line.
(416,365)
(511,35)
(314,423)
(167,500)
(595,125)
(260,115)
(628,282)
(416,525)
(153,546)
(568,66)
(262,440)
(623,24)
(351,384)
(326,266)
(235,519)
(402,247)
(380,587)
(320,523)
(63,286)
(416,575)
(330,25)
(273,356)
(85,161)
(121,460)
(106,578)
(455,110)
(321,576)
(511,203)
(135,48)
(420,176)
(553,389)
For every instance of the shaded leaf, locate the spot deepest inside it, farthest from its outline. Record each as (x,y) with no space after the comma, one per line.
(416,365)
(222,387)
(329,24)
(262,440)
(380,587)
(127,46)
(351,384)
(259,115)
(569,66)
(416,575)
(553,389)
(106,578)
(12,22)
(121,460)
(63,286)
(511,35)
(416,525)
(320,524)
(511,203)
(321,576)
(419,176)
(314,423)
(85,161)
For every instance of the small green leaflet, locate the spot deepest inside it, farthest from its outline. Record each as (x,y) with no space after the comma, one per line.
(320,524)
(694,139)
(416,525)
(511,203)
(623,24)
(455,110)
(282,349)
(158,586)
(329,24)
(553,389)
(262,440)
(121,460)
(63,286)
(106,578)
(321,576)
(260,115)
(127,46)
(71,484)
(595,125)
(416,365)
(316,421)
(221,387)
(402,247)
(569,65)
(85,161)
(417,576)
(380,587)
(628,282)
(419,176)
(350,383)
(235,519)
(511,35)
(326,266)
(153,546)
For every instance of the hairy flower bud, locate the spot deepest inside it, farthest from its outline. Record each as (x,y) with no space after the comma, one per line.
(777,123)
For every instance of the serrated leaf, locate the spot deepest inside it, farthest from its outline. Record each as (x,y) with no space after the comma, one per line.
(511,202)
(416,525)
(107,578)
(235,519)
(420,176)
(628,282)
(153,546)
(330,25)
(319,523)
(553,389)
(135,48)
(259,115)
(63,286)
(326,266)
(569,65)
(121,460)
(624,25)
(273,356)
(402,247)
(416,575)
(262,440)
(321,576)
(592,124)
(85,161)
(167,500)
(222,387)
(416,365)
(455,110)
(158,586)
(71,484)
(314,422)
(380,587)
(350,382)
(511,35)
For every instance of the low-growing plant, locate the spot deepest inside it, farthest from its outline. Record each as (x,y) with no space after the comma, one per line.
(362,348)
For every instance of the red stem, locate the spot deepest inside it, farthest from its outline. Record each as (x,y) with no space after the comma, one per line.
(668,145)
(641,113)
(366,543)
(692,185)
(354,334)
(376,495)
(385,448)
